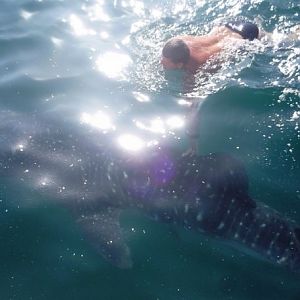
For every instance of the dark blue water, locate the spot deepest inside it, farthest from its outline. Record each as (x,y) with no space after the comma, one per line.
(80,57)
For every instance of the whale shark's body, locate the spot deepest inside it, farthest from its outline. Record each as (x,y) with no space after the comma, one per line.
(80,167)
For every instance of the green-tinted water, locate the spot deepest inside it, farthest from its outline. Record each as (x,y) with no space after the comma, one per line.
(103,55)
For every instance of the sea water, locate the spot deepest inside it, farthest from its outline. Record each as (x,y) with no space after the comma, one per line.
(99,60)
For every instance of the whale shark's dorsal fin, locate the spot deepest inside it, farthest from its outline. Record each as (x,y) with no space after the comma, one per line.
(103,232)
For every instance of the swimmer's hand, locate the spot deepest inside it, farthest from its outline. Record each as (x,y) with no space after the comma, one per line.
(189,152)
(193,149)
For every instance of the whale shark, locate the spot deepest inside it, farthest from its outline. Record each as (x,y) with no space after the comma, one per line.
(82,168)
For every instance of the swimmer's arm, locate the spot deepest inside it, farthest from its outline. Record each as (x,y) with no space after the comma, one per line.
(192,129)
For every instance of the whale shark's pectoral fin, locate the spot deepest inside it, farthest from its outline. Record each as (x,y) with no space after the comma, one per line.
(104,233)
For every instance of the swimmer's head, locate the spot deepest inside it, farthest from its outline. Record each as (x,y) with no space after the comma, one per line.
(175,54)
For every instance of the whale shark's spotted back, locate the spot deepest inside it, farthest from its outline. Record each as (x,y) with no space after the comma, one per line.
(207,194)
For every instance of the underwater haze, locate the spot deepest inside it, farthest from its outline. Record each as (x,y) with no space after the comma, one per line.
(96,63)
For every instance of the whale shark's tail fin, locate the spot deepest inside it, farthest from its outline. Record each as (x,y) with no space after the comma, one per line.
(265,232)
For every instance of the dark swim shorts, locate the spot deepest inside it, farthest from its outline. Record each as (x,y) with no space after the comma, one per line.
(247,30)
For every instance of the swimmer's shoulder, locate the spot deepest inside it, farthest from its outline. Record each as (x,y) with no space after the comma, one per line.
(188,38)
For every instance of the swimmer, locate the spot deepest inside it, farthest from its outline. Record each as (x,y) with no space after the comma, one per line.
(190,52)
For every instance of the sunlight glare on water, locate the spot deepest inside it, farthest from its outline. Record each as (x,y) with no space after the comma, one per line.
(99,120)
(79,28)
(57,42)
(156,126)
(113,64)
(175,122)
(96,12)
(26,14)
(131,143)
(161,126)
(137,6)
(141,97)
